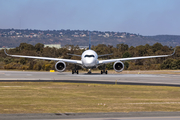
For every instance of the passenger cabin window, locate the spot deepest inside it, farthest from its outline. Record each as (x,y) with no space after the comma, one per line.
(89,56)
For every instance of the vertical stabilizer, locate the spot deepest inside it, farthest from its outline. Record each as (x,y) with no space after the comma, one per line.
(89,40)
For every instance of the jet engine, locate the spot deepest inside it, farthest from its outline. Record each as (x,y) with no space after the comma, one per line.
(60,66)
(118,66)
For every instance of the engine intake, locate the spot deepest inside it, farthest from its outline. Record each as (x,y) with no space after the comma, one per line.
(118,66)
(60,66)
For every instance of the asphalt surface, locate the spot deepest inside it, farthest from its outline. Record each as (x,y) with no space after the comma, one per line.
(95,116)
(129,79)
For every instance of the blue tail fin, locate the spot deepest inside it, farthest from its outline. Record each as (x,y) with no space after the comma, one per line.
(89,40)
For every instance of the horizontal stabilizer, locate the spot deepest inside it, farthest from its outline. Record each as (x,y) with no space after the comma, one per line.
(105,55)
(74,55)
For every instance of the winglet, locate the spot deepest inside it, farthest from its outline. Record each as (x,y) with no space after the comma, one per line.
(5,51)
(174,51)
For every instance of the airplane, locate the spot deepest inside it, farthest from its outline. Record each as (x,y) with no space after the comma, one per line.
(89,60)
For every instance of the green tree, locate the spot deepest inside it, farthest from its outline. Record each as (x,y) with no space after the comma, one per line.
(39,46)
(8,60)
(126,55)
(169,64)
(25,46)
(157,46)
(23,61)
(122,47)
(126,65)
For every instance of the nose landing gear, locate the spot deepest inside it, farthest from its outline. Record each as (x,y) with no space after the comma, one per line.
(89,71)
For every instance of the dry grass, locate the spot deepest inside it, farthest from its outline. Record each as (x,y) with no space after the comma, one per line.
(49,97)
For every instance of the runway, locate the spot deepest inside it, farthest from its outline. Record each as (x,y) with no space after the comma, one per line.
(130,79)
(95,116)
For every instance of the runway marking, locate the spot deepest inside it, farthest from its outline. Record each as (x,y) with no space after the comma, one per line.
(18,74)
(7,75)
(29,74)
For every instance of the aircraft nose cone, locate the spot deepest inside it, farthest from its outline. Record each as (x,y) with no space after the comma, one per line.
(90,62)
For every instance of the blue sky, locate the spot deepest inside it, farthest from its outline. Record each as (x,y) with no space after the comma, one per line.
(144,17)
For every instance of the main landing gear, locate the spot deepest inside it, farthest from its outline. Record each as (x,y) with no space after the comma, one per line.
(104,70)
(75,70)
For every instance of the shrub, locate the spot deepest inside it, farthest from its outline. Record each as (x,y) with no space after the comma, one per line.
(12,65)
(46,67)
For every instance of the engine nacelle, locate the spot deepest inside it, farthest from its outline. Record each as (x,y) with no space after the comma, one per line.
(60,66)
(118,66)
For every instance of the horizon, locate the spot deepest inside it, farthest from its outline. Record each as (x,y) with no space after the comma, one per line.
(88,30)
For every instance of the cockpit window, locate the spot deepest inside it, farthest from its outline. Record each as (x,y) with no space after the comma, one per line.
(89,56)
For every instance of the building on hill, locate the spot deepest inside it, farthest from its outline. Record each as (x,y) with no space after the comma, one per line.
(80,47)
(6,48)
(53,45)
(83,47)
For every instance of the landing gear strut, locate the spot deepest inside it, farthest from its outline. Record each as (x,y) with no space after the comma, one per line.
(104,70)
(75,70)
(89,71)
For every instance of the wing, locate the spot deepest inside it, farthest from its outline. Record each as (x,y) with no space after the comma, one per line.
(133,58)
(46,58)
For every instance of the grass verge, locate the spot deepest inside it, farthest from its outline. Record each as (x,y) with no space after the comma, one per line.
(51,97)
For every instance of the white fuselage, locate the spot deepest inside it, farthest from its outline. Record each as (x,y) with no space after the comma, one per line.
(89,59)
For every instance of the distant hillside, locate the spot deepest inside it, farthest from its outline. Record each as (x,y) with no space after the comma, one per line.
(13,37)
